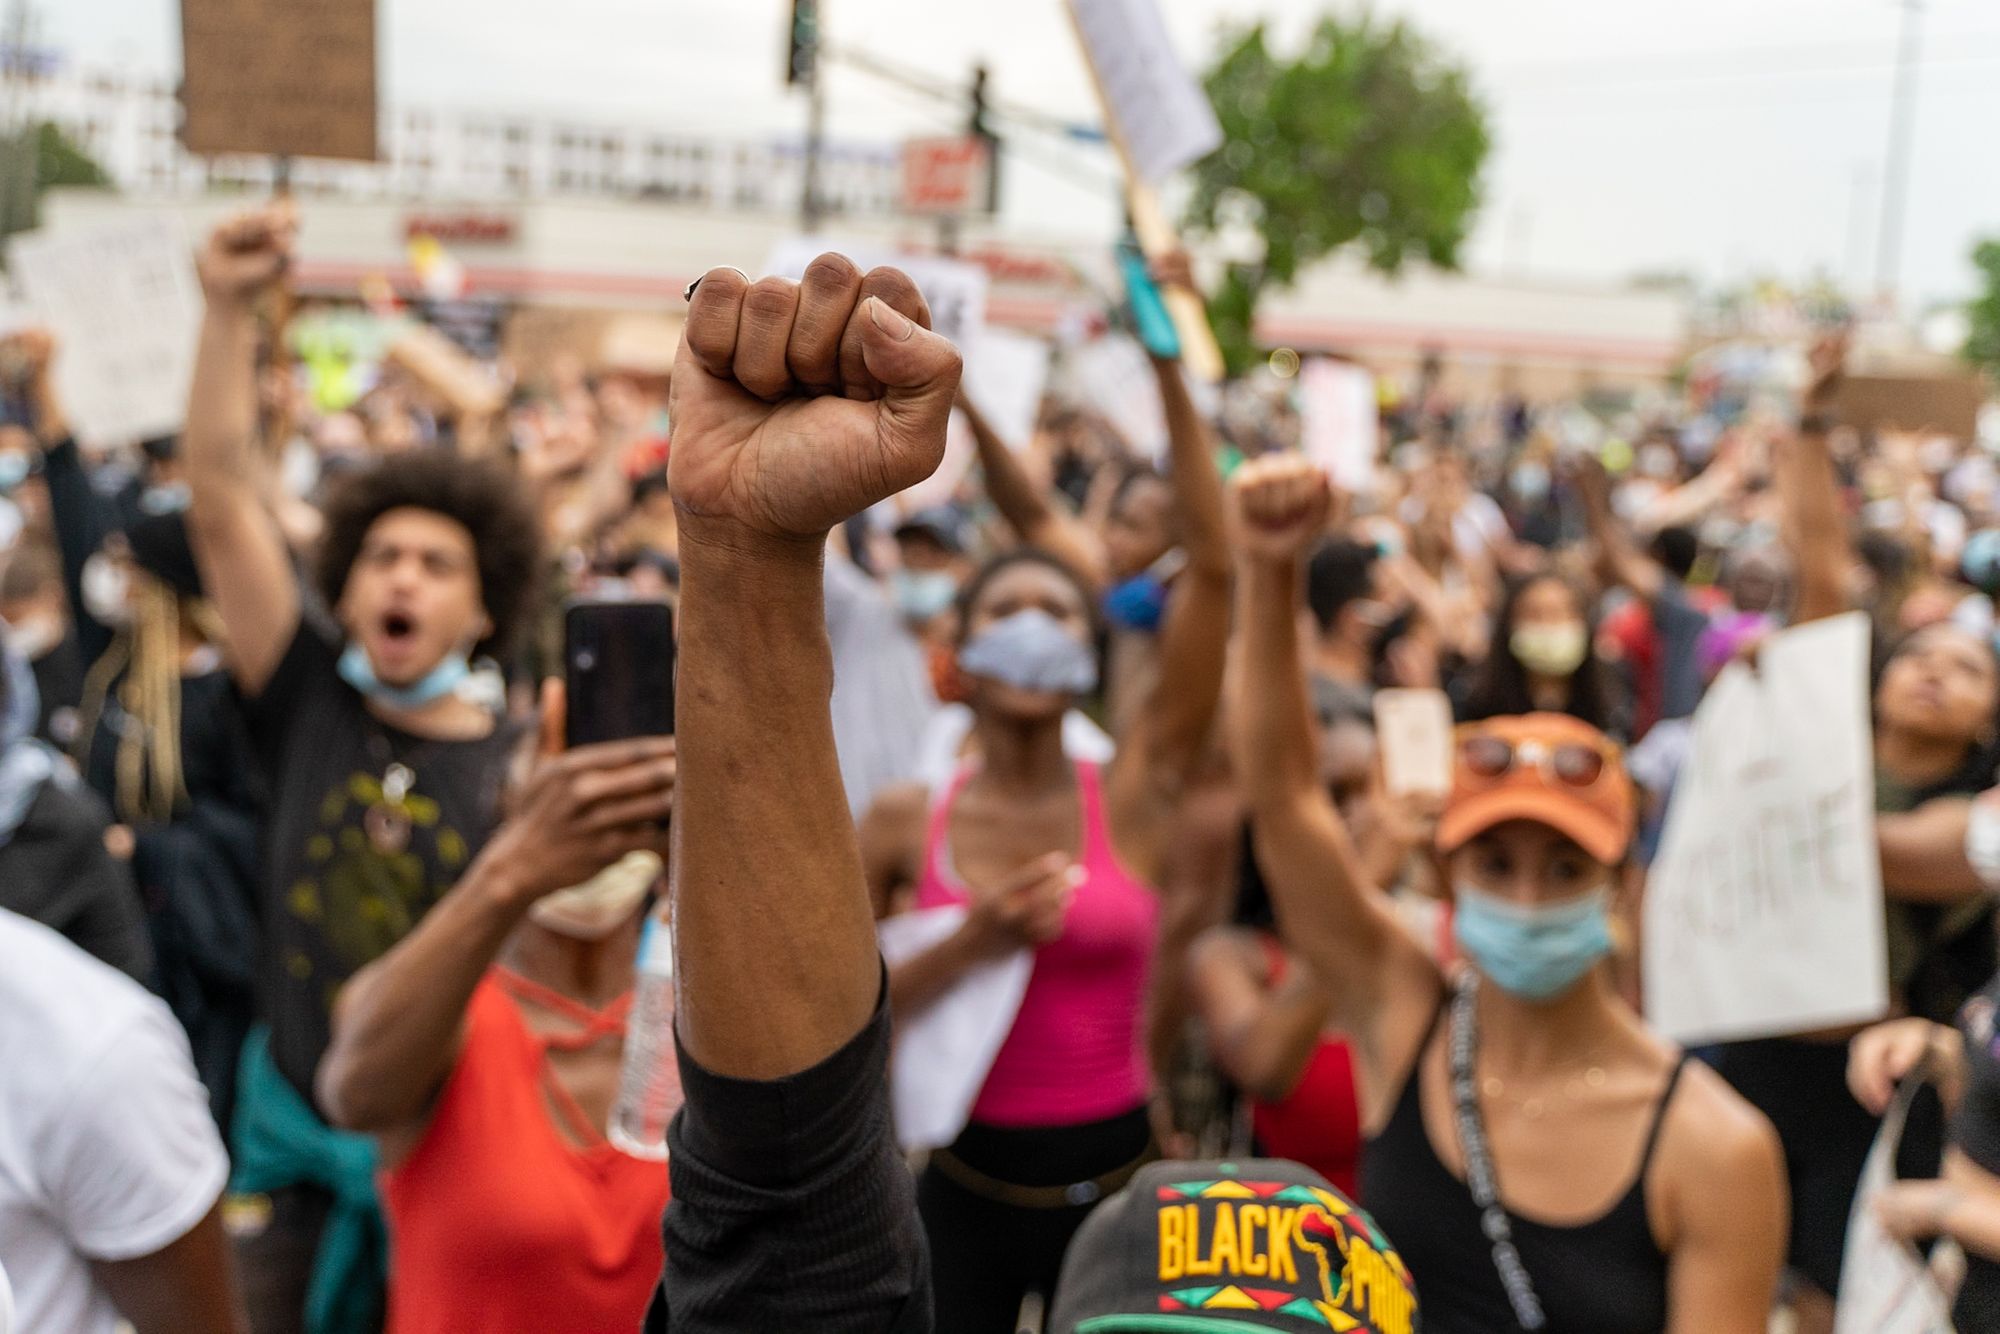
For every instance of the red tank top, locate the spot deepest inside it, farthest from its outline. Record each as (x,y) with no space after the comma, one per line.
(499,1225)
(1319,1122)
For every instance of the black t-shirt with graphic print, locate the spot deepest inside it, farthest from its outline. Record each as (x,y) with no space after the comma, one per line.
(351,860)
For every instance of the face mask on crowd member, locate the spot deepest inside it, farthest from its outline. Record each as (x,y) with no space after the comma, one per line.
(107,589)
(930,545)
(603,903)
(1025,645)
(1549,636)
(412,608)
(1540,816)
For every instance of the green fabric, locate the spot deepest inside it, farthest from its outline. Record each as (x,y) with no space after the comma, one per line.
(279,1142)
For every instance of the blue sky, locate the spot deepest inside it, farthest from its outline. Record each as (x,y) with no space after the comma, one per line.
(1729,137)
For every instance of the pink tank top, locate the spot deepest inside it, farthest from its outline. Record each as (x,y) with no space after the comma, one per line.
(1074,1052)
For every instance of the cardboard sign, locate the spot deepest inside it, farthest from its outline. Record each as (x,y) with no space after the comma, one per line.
(292,78)
(124,305)
(1158,112)
(1413,732)
(1764,910)
(1885,1287)
(1005,374)
(954,289)
(1339,421)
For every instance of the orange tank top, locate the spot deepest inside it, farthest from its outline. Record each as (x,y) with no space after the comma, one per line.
(497,1223)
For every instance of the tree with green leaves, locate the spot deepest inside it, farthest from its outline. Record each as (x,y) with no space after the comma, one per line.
(1371,137)
(1982,340)
(60,161)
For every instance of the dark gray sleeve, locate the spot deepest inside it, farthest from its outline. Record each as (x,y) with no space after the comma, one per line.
(792,1208)
(56,871)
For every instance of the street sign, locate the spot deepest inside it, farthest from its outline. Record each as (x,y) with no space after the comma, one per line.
(945,178)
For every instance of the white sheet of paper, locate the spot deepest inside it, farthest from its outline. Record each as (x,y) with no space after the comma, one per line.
(1764,909)
(954,289)
(1413,732)
(124,305)
(1005,374)
(1885,1287)
(1339,421)
(1113,376)
(944,1051)
(1163,117)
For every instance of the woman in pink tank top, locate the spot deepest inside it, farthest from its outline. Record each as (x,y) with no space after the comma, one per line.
(1059,857)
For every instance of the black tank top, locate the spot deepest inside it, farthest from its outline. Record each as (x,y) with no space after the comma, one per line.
(1605,1277)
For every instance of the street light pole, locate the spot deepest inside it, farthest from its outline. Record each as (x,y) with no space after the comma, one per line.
(1896,172)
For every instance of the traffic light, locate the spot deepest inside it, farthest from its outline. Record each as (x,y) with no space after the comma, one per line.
(805,42)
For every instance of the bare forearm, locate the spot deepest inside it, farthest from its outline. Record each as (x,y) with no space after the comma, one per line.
(1196,482)
(1814,528)
(1275,713)
(221,437)
(397,1025)
(1008,485)
(775,941)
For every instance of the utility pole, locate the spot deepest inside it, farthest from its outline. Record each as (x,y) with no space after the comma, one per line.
(803,67)
(1896,170)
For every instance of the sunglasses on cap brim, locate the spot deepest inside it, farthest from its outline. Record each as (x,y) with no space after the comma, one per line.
(1567,763)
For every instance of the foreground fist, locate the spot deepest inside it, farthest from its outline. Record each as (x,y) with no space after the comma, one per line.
(1281,504)
(798,405)
(247,253)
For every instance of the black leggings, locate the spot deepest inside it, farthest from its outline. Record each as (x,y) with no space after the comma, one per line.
(986,1256)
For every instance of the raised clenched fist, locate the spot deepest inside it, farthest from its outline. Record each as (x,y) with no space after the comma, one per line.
(247,253)
(1281,503)
(798,405)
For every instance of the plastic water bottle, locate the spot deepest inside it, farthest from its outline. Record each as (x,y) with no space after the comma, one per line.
(649,1085)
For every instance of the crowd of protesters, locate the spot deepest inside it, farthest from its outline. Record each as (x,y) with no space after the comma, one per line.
(319,947)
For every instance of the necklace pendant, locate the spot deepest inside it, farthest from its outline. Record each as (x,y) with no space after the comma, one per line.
(387,822)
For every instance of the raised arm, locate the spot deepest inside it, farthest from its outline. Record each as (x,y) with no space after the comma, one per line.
(1329,912)
(83,517)
(1164,745)
(1815,527)
(399,1024)
(1617,558)
(1027,510)
(236,540)
(796,406)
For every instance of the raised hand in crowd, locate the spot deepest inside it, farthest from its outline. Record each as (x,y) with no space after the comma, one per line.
(241,551)
(796,405)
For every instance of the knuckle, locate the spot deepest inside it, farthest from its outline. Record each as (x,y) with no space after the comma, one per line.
(769,297)
(832,270)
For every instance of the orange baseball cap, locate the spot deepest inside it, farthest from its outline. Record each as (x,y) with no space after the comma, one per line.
(1547,767)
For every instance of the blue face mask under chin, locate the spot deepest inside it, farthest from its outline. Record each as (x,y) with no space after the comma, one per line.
(1534,953)
(1030,650)
(434,685)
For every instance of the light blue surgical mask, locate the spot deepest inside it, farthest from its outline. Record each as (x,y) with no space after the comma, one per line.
(922,595)
(441,680)
(1534,953)
(1030,650)
(14,470)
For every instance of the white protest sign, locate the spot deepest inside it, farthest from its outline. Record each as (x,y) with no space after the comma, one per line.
(954,289)
(945,1050)
(124,305)
(1005,374)
(1885,1287)
(1764,909)
(1158,111)
(1413,728)
(1113,376)
(1338,421)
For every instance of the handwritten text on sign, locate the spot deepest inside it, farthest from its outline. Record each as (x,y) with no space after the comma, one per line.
(1764,909)
(124,305)
(285,77)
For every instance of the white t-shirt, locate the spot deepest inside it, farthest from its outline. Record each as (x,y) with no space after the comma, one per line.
(107,1149)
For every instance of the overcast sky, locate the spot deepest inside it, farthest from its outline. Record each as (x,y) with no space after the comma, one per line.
(1726,137)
